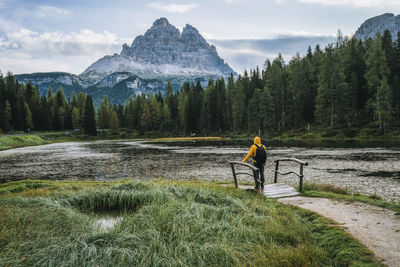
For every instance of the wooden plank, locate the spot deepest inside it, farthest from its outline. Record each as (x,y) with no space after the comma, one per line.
(273,190)
(279,190)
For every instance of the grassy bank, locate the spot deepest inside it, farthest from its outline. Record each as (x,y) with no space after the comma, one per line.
(335,192)
(164,224)
(8,142)
(348,133)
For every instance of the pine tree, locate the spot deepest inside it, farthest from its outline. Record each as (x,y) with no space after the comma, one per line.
(183,108)
(129,113)
(220,93)
(229,103)
(104,114)
(377,70)
(45,122)
(146,117)
(166,122)
(383,104)
(89,119)
(239,107)
(28,124)
(155,111)
(266,111)
(276,80)
(76,118)
(5,117)
(114,123)
(80,103)
(254,113)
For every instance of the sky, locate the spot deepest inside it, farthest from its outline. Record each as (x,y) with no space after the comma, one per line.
(69,35)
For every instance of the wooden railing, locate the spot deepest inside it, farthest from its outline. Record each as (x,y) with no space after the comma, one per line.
(300,175)
(253,168)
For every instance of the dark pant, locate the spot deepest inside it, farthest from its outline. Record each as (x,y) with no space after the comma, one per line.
(259,176)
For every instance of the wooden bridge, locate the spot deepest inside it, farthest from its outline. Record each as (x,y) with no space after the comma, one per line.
(276,189)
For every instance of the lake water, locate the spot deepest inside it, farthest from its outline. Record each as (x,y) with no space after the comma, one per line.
(365,167)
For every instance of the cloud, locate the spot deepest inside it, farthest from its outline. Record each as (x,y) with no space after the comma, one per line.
(50,51)
(173,8)
(249,53)
(82,42)
(354,3)
(43,12)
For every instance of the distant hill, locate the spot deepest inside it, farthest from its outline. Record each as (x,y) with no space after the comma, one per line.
(370,27)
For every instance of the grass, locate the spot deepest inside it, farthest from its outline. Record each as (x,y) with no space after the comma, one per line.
(7,142)
(335,192)
(165,223)
(187,138)
(332,134)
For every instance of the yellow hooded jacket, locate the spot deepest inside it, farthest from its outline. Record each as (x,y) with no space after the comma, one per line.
(253,149)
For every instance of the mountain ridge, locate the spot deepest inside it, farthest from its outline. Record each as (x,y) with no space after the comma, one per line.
(380,23)
(164,51)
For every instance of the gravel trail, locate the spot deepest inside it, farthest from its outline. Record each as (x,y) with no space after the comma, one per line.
(377,228)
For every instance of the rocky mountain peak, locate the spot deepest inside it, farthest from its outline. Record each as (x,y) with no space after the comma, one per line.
(164,50)
(161,22)
(386,21)
(189,29)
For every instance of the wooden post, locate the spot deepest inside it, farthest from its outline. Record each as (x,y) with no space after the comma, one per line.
(234,175)
(276,171)
(301,178)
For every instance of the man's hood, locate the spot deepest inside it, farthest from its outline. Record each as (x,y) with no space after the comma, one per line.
(257,141)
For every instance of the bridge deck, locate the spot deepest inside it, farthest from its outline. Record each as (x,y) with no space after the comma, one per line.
(279,190)
(275,190)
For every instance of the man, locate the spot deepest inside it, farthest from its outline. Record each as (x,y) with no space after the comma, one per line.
(259,155)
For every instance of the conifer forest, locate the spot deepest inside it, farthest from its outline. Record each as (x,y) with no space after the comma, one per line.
(349,83)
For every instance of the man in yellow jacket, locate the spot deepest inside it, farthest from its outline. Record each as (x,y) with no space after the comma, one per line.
(259,154)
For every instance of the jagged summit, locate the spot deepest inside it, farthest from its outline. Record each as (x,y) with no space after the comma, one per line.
(164,51)
(161,22)
(370,27)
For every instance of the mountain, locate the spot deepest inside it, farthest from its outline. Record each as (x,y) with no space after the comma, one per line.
(162,54)
(379,24)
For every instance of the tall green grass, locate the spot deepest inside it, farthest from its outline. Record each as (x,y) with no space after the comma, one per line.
(167,224)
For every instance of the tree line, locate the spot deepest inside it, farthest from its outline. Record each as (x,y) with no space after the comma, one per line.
(22,108)
(349,83)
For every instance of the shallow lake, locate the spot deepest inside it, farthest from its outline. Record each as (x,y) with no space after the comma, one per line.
(365,167)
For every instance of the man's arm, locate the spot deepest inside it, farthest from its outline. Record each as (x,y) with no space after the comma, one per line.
(248,154)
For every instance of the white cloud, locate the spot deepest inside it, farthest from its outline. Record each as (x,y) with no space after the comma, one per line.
(354,3)
(173,8)
(43,12)
(83,42)
(30,51)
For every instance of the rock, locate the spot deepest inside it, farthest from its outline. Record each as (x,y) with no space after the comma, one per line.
(164,51)
(370,27)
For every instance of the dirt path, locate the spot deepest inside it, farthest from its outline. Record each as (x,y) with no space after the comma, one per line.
(377,228)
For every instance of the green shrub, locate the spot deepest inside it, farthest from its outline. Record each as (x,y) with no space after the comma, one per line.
(330,133)
(350,132)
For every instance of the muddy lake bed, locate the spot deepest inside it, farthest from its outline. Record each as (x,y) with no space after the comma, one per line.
(369,167)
